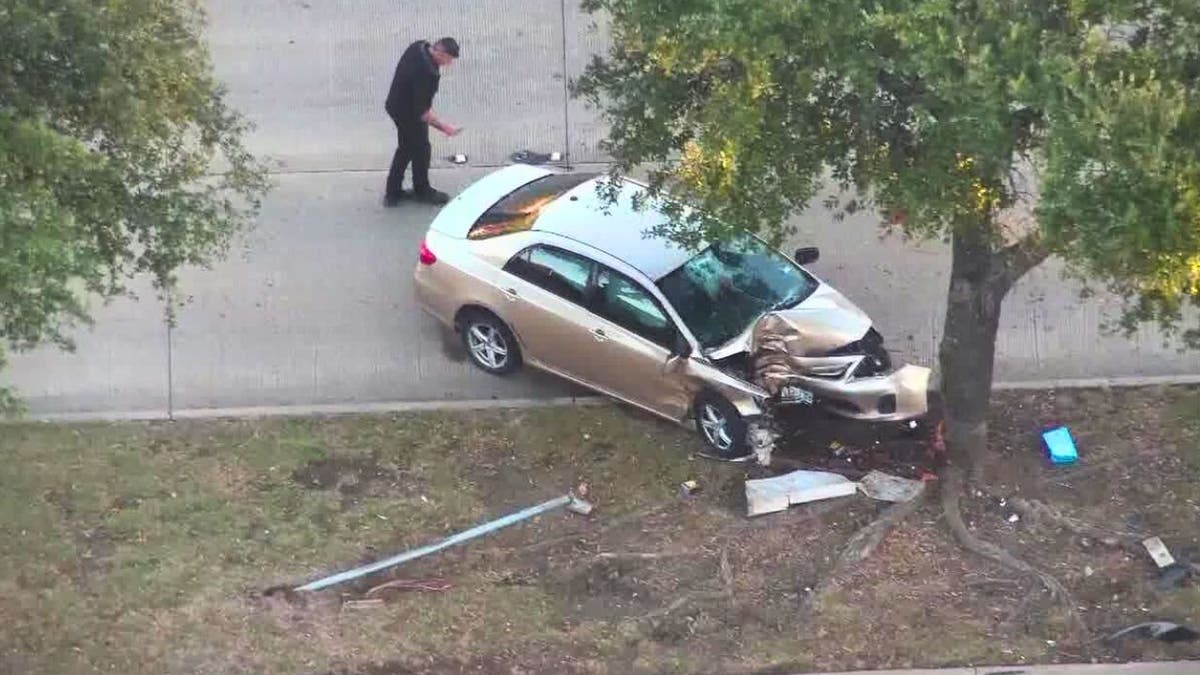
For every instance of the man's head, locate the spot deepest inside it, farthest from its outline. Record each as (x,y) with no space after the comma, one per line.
(444,51)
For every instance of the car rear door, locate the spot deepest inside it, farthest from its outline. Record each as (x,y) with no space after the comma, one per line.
(545,289)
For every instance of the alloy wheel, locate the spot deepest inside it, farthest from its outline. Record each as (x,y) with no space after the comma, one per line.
(487,345)
(715,426)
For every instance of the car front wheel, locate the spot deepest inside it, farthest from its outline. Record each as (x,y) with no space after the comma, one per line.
(720,425)
(490,344)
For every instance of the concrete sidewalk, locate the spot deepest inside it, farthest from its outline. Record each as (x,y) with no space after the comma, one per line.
(1158,668)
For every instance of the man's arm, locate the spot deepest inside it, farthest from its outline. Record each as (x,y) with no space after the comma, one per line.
(432,120)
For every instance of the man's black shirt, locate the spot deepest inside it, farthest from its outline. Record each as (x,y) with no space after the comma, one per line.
(413,85)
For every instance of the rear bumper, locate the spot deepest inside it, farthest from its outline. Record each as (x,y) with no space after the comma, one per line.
(900,395)
(429,299)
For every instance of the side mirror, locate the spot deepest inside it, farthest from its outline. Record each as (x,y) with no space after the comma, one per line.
(807,255)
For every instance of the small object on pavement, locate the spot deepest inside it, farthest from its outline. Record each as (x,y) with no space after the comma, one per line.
(768,495)
(688,487)
(458,159)
(1012,518)
(573,503)
(1159,630)
(888,488)
(1158,552)
(1060,445)
(531,157)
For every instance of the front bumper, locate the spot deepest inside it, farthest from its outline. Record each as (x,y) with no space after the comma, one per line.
(900,395)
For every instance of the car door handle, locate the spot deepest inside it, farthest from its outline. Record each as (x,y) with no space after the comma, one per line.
(599,334)
(511,293)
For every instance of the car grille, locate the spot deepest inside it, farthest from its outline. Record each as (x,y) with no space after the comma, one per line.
(870,345)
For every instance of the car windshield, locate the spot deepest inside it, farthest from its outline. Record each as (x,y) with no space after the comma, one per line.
(721,291)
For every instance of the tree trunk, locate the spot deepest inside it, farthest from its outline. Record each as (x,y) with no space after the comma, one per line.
(978,284)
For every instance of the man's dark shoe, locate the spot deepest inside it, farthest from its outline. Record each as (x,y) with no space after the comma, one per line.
(431,196)
(390,201)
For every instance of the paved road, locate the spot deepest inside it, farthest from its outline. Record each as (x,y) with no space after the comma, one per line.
(314,306)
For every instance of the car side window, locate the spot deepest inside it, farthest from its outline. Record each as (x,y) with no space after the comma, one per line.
(563,273)
(627,304)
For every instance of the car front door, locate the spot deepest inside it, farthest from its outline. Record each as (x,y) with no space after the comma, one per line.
(631,344)
(546,289)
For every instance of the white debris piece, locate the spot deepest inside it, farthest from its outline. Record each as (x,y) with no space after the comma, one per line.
(888,488)
(768,495)
(761,438)
(1159,552)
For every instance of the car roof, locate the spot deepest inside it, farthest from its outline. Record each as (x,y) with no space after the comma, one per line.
(618,229)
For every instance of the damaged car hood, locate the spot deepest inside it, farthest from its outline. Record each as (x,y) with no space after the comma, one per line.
(824,321)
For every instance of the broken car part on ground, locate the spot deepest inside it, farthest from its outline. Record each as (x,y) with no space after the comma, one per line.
(532,266)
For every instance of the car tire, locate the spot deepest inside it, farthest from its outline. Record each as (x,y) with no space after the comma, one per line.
(721,426)
(490,344)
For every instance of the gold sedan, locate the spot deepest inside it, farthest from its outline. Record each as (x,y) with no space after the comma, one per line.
(532,266)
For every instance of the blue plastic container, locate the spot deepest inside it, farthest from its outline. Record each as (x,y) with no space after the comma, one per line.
(1060,445)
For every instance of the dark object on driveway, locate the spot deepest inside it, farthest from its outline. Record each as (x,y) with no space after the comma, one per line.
(1159,630)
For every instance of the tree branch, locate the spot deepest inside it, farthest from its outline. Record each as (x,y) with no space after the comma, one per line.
(1017,259)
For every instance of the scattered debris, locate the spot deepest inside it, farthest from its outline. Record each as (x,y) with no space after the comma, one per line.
(1158,630)
(1088,571)
(688,488)
(762,436)
(570,501)
(888,488)
(424,585)
(1159,552)
(1060,445)
(1013,518)
(458,159)
(768,495)
(531,157)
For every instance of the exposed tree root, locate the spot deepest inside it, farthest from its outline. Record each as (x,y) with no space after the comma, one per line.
(863,543)
(1038,512)
(700,597)
(952,490)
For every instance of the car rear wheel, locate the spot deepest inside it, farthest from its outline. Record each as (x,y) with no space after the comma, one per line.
(490,344)
(720,425)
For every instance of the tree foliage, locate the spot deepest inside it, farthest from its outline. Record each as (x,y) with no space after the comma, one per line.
(118,156)
(928,109)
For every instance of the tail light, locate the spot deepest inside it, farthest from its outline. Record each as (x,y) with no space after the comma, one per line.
(426,256)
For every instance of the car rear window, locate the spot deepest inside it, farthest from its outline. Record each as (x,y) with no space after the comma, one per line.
(520,208)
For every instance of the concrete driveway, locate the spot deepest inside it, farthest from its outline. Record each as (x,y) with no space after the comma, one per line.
(314,306)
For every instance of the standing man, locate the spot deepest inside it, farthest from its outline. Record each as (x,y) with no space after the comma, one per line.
(410,105)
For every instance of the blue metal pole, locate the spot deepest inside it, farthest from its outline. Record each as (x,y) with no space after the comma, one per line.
(445,543)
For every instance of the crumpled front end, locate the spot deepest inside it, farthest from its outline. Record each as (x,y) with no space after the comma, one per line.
(791,355)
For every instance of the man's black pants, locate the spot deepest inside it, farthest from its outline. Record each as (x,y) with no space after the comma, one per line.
(412,146)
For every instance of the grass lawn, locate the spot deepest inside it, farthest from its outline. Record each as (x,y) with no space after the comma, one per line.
(147,547)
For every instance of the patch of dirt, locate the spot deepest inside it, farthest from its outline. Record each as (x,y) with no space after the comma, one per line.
(815,439)
(96,548)
(353,477)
